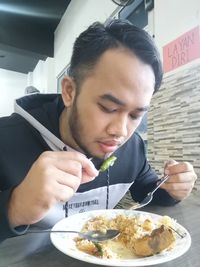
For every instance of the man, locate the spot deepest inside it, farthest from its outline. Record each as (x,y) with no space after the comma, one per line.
(52,146)
(31,90)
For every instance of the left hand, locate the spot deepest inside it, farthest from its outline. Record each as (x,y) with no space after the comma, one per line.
(181,180)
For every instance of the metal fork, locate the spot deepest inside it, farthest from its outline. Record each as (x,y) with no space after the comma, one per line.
(149,196)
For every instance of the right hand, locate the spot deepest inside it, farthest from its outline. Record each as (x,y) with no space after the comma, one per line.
(54,177)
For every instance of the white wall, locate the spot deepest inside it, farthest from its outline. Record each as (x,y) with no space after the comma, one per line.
(173,18)
(78,16)
(12,86)
(43,76)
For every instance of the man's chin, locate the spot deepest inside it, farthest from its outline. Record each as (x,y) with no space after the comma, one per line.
(96,155)
(101,157)
(90,155)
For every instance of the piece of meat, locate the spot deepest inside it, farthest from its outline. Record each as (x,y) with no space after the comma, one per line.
(160,239)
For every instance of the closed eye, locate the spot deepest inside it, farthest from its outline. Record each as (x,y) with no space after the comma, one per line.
(136,116)
(106,109)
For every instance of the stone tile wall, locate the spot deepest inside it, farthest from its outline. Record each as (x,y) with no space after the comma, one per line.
(174,120)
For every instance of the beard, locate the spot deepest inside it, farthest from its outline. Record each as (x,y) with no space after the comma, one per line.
(76,129)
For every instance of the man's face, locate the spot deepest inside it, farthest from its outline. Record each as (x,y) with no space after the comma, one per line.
(111,103)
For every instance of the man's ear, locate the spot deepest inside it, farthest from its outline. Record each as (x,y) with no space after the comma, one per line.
(68,91)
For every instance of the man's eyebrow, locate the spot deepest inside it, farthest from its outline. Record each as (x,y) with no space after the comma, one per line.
(113,99)
(121,103)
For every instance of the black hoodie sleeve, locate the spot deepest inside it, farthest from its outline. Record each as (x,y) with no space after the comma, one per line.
(6,230)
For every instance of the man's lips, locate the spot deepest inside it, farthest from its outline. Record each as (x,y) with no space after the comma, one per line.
(109,146)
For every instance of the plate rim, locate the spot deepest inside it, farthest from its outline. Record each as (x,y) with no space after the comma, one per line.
(118,262)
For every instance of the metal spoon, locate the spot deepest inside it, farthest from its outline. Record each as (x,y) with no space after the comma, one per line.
(95,236)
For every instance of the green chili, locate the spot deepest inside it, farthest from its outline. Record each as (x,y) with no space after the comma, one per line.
(99,249)
(107,163)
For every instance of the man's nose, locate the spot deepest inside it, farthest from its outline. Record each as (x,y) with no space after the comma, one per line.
(118,126)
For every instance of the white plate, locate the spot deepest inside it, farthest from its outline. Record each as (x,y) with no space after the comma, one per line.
(65,242)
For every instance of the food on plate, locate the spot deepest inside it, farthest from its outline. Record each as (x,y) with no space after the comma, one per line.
(107,163)
(140,235)
(160,239)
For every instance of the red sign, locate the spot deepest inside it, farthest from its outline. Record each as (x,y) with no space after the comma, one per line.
(182,50)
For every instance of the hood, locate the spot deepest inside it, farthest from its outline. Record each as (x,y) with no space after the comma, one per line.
(42,112)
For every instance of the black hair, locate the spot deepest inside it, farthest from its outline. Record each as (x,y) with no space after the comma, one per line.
(98,38)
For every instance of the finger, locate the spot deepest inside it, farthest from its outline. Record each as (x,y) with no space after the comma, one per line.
(69,181)
(170,162)
(177,168)
(86,178)
(86,164)
(72,167)
(177,186)
(76,168)
(178,191)
(60,160)
(167,164)
(185,177)
(65,186)
(64,193)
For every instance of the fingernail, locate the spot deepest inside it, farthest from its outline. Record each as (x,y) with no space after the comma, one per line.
(92,178)
(166,171)
(96,173)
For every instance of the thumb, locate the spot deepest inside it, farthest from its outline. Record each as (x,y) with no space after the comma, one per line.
(169,163)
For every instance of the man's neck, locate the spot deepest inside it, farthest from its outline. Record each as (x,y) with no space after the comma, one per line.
(65,132)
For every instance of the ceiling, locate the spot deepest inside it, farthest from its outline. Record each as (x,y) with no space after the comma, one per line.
(27,32)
